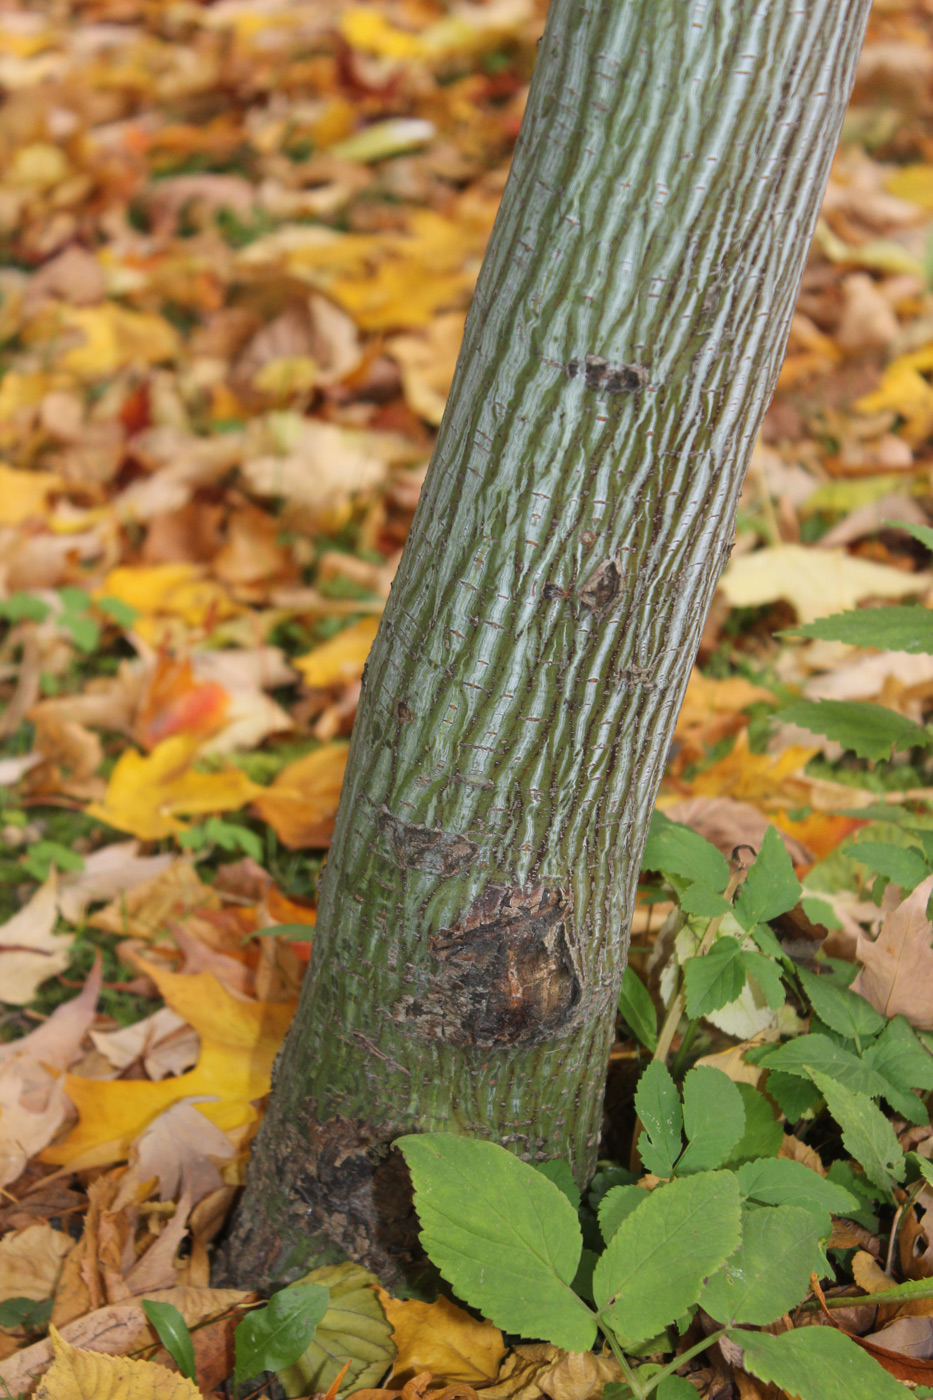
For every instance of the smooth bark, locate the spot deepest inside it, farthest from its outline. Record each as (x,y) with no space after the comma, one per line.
(519,701)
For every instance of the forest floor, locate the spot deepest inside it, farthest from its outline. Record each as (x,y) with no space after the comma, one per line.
(237,245)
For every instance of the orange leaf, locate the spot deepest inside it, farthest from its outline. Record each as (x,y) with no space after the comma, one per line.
(301,804)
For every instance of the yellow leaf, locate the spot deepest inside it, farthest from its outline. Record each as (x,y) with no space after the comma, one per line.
(340,660)
(22,390)
(113,338)
(146,793)
(904,390)
(302,802)
(90,1375)
(767,780)
(179,590)
(239,1041)
(816,582)
(37,166)
(913,183)
(287,375)
(443,1339)
(24,495)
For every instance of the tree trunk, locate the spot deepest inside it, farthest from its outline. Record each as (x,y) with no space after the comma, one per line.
(519,701)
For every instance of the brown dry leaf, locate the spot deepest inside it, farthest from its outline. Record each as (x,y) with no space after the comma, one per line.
(897,968)
(521,1371)
(31,1261)
(441,1338)
(420,1387)
(301,804)
(318,466)
(30,950)
(909,1335)
(180,1150)
(151,909)
(163,1042)
(33,1104)
(107,873)
(816,582)
(797,1151)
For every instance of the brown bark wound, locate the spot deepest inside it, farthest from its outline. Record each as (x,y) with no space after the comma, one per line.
(505,974)
(418,847)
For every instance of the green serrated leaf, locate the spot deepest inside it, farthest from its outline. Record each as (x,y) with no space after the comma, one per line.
(810,1363)
(276,1336)
(843,1011)
(657,1104)
(30,1313)
(866,1134)
(904,627)
(922,533)
(172,1331)
(712,981)
(770,1271)
(814,1051)
(904,865)
(778,1181)
(704,902)
(616,1205)
(794,1096)
(870,731)
(678,850)
(637,1009)
(770,888)
(714,1120)
(559,1172)
(694,1220)
(505,1238)
(354,1329)
(767,974)
(763,1132)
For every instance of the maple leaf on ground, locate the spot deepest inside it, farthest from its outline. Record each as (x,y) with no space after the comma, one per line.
(441,1338)
(239,1041)
(897,968)
(341,659)
(25,495)
(146,795)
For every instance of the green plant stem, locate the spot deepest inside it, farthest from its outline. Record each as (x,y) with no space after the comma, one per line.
(685,1356)
(685,1044)
(676,1008)
(902,1293)
(633,1383)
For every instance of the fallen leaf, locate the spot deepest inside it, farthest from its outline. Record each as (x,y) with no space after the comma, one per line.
(30,950)
(25,495)
(897,967)
(441,1338)
(340,660)
(31,1261)
(816,582)
(107,872)
(120,1327)
(89,1375)
(301,804)
(239,1041)
(147,794)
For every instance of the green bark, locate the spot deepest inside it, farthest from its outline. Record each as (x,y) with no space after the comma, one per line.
(519,701)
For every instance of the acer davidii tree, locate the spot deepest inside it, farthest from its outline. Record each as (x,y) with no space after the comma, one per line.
(518,703)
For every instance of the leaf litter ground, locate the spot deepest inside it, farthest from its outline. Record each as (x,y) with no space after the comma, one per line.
(237,249)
